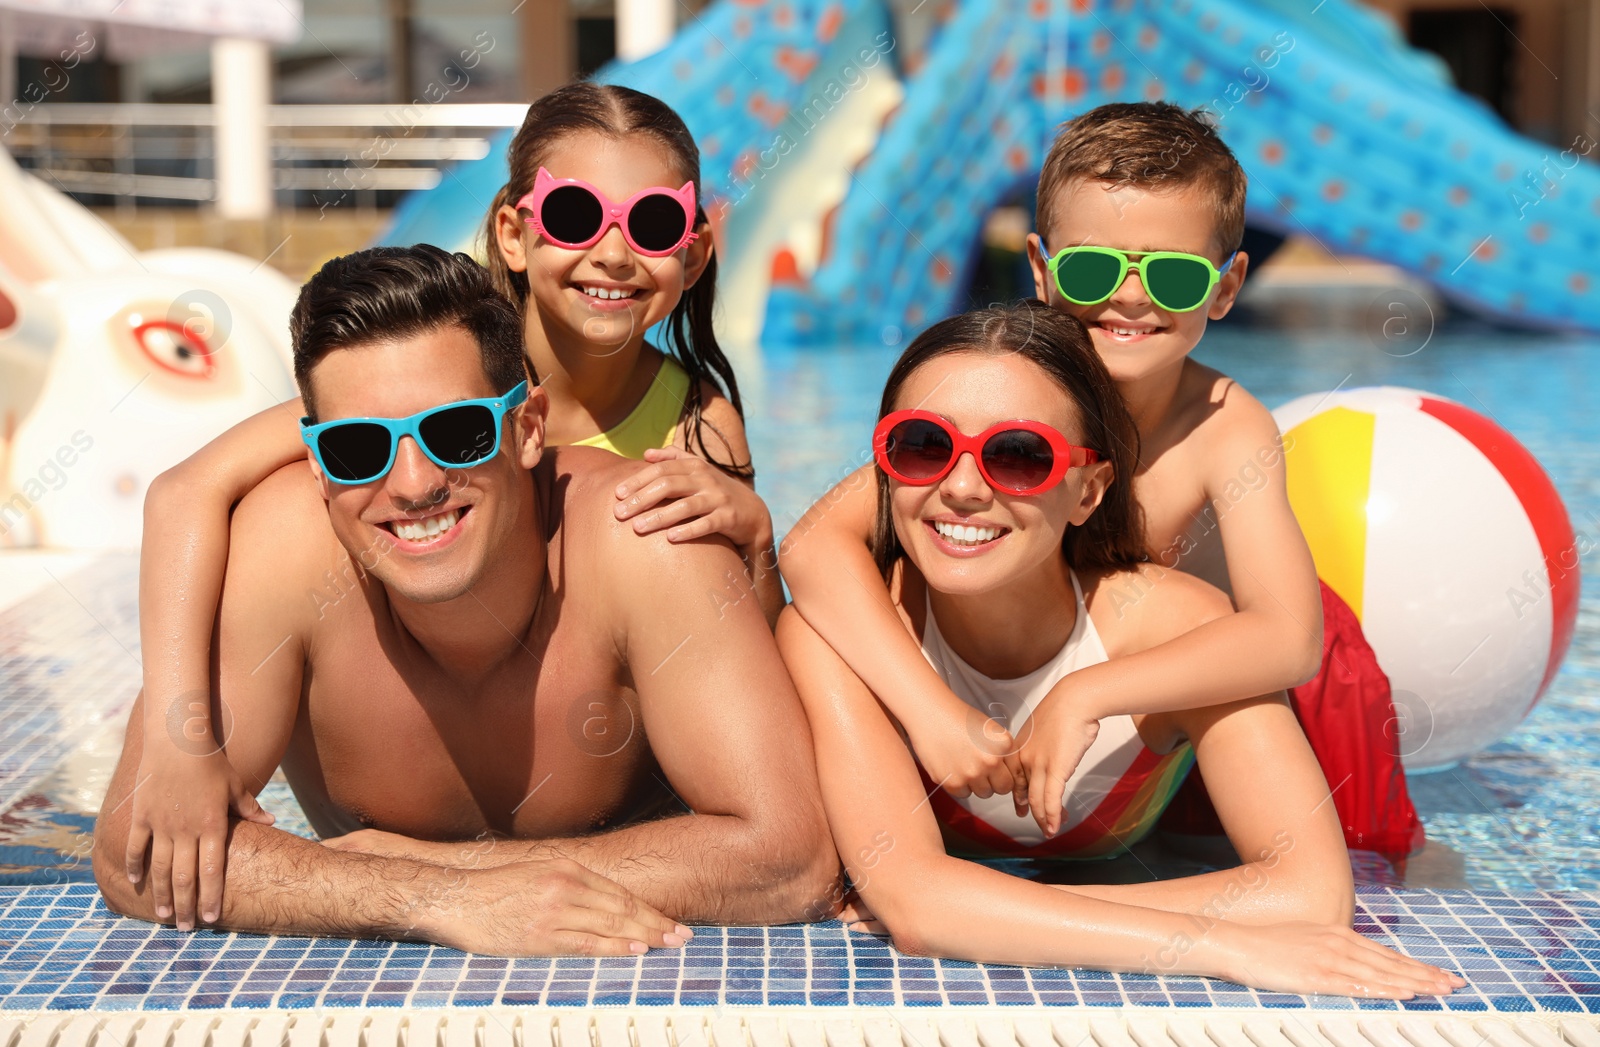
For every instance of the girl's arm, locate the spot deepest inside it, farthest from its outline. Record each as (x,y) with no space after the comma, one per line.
(933,904)
(705,500)
(838,590)
(185,783)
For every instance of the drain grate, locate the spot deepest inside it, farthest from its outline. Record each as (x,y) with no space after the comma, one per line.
(779,1027)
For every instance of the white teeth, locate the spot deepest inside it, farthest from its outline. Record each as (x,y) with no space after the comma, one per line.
(965,534)
(426,530)
(608,293)
(1123,331)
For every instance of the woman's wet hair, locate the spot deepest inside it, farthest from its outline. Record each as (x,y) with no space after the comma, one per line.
(1059,345)
(621,112)
(391,293)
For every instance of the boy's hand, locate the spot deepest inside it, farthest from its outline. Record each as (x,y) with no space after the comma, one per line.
(964,751)
(180,813)
(702,500)
(1054,738)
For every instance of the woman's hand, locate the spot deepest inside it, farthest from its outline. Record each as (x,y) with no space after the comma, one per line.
(700,500)
(1052,741)
(962,750)
(1308,958)
(180,814)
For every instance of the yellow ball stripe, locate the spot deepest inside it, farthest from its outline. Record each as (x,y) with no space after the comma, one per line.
(1329,466)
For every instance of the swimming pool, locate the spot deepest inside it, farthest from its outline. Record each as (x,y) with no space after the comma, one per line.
(1506,890)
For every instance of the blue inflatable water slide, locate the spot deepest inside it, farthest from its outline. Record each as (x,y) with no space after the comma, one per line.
(850,185)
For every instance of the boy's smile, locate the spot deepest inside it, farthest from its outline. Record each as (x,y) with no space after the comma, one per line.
(1135,337)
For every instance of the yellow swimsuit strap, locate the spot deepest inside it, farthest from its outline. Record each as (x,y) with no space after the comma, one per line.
(654,421)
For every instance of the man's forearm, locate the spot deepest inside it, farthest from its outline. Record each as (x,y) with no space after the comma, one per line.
(279,883)
(697,868)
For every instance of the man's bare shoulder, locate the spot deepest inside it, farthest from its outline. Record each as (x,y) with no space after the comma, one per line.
(635,568)
(280,530)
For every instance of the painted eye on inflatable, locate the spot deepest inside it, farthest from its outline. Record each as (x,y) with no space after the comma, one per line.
(173,347)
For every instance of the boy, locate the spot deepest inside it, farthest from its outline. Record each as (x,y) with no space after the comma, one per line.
(1140,218)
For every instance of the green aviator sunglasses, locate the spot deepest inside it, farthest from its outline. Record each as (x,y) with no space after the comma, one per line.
(1177,282)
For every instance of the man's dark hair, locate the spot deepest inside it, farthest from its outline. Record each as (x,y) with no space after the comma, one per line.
(388,293)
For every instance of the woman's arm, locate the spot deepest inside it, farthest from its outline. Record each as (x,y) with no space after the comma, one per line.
(837,589)
(937,905)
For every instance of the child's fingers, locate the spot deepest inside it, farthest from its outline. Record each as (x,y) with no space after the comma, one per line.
(652,494)
(161,875)
(691,506)
(213,852)
(250,809)
(712,523)
(184,863)
(138,843)
(1055,784)
(664,454)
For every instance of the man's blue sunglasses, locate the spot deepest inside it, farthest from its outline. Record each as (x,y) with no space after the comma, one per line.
(453,436)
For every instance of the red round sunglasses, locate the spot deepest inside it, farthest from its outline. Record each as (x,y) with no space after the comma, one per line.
(573,214)
(1019,457)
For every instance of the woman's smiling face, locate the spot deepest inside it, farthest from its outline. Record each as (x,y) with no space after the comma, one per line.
(605,294)
(1014,534)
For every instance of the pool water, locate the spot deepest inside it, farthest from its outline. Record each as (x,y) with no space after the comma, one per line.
(1505,889)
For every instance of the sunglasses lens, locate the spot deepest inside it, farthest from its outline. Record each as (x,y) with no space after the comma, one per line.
(570,215)
(1177,284)
(1086,277)
(657,222)
(462,435)
(1018,460)
(918,449)
(354,452)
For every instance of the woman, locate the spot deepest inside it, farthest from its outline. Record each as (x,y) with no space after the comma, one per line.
(1010,546)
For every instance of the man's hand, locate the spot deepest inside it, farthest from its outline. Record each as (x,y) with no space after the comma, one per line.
(1053,740)
(542,908)
(963,750)
(180,817)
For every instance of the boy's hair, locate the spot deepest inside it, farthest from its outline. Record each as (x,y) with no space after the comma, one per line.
(388,293)
(1057,343)
(1151,146)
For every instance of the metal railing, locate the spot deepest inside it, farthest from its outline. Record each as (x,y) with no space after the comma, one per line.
(138,154)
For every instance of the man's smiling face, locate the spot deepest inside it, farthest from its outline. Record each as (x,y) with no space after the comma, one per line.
(428,533)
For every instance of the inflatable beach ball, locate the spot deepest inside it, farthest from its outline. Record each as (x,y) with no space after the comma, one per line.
(1452,547)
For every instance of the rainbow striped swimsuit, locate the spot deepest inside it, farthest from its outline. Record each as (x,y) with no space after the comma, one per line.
(1112,800)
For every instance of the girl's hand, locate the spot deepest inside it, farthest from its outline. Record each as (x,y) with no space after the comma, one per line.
(1053,740)
(701,499)
(180,813)
(1309,958)
(964,751)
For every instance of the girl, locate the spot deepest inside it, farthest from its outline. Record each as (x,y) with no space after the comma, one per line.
(1004,523)
(599,233)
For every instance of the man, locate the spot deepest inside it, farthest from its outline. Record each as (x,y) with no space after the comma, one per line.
(499,661)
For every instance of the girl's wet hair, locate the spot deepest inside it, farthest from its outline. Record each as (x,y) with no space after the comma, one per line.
(622,112)
(1059,345)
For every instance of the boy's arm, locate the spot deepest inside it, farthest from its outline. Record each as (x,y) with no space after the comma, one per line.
(837,589)
(1273,642)
(182,562)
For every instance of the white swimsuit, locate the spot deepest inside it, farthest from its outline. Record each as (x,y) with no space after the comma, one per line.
(1111,801)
